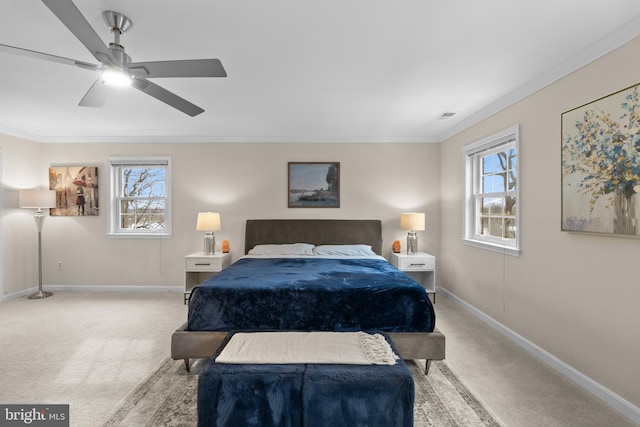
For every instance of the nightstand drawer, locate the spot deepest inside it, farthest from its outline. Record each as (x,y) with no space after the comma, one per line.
(204,264)
(416,263)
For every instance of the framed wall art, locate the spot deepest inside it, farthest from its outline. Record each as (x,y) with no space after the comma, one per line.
(76,190)
(601,165)
(314,185)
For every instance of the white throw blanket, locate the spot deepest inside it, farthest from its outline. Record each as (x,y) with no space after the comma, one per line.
(351,348)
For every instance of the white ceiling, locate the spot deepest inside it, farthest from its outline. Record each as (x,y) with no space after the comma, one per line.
(304,71)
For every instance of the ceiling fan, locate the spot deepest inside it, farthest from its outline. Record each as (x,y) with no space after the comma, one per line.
(115,66)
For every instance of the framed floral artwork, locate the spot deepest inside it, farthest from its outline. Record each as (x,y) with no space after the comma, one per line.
(76,190)
(601,165)
(314,185)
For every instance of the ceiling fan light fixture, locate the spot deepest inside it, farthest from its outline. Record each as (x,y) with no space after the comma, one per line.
(115,77)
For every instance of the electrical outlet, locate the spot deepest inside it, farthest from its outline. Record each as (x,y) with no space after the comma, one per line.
(59,265)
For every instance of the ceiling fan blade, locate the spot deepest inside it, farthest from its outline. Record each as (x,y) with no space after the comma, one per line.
(167,97)
(68,13)
(39,55)
(180,68)
(97,94)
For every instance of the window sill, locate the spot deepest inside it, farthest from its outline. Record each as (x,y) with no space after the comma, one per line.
(139,235)
(493,247)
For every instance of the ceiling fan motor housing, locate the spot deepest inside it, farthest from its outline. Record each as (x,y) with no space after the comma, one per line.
(118,53)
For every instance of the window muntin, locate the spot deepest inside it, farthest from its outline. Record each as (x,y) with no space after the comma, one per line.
(491,214)
(140,196)
(496,199)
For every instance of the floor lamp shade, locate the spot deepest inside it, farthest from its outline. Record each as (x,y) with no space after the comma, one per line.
(208,222)
(38,199)
(412,222)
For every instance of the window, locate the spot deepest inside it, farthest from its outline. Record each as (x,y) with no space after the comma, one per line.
(491,175)
(140,197)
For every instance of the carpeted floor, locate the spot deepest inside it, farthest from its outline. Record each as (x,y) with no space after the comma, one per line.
(168,398)
(91,349)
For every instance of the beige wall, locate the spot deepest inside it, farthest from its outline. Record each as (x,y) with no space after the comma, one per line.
(240,181)
(575,296)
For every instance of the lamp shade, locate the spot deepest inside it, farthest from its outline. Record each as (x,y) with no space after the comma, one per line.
(37,198)
(412,221)
(208,221)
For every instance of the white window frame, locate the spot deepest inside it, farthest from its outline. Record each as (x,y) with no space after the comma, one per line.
(472,154)
(113,213)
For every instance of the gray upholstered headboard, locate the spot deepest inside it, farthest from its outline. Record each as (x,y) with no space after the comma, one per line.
(314,231)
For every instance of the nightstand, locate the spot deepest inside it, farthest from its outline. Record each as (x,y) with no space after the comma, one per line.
(421,266)
(199,267)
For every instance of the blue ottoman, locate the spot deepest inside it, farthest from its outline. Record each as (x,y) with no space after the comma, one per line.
(301,394)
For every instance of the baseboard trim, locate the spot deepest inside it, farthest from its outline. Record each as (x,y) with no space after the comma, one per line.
(115,288)
(18,294)
(622,405)
(86,288)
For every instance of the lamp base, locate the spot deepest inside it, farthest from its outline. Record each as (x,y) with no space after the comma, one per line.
(40,295)
(412,243)
(209,243)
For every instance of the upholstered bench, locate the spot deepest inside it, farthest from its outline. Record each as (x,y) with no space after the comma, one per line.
(305,379)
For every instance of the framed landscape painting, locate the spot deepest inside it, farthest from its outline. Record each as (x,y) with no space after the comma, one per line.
(314,185)
(601,165)
(76,190)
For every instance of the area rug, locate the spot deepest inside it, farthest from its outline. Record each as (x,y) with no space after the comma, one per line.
(169,398)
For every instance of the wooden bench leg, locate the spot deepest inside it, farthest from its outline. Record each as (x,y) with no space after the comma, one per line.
(186,365)
(427,365)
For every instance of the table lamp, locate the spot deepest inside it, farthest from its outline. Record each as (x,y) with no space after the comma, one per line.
(38,199)
(412,222)
(208,222)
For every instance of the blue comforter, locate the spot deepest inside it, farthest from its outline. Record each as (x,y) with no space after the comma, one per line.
(320,294)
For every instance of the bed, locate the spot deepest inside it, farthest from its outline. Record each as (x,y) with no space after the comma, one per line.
(414,337)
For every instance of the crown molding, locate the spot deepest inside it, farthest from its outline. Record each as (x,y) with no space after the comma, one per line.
(621,36)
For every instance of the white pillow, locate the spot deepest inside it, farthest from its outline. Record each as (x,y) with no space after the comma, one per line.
(285,249)
(344,250)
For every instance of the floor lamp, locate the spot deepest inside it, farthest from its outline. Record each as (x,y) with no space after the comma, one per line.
(38,199)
